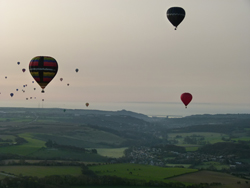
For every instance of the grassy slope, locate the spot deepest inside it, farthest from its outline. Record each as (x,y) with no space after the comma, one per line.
(144,172)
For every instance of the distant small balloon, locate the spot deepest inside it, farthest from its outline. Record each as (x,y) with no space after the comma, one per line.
(61,79)
(5,77)
(23,70)
(67,84)
(16,89)
(18,63)
(34,88)
(87,104)
(77,70)
(12,94)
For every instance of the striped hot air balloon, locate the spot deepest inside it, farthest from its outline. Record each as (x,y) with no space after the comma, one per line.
(43,69)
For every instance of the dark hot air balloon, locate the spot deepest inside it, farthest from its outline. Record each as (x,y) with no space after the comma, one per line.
(61,79)
(186,98)
(12,94)
(176,15)
(23,70)
(87,104)
(67,84)
(77,70)
(18,63)
(43,69)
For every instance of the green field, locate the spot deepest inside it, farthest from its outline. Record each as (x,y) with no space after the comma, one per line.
(242,139)
(216,165)
(142,172)
(5,137)
(50,153)
(32,146)
(86,137)
(209,136)
(111,152)
(41,171)
(192,148)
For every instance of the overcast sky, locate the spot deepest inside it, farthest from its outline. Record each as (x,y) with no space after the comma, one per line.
(127,50)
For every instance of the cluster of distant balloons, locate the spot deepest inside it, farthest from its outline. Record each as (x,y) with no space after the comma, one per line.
(44,68)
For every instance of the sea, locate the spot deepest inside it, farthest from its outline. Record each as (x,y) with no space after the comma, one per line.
(157,109)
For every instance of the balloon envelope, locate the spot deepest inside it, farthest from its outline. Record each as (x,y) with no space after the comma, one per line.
(176,15)
(186,98)
(12,94)
(18,63)
(61,79)
(23,70)
(43,69)
(87,104)
(77,70)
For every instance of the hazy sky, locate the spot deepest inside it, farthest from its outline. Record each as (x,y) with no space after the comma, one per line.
(127,50)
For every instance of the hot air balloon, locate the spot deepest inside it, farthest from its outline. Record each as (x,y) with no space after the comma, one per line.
(34,88)
(5,77)
(87,104)
(186,98)
(16,89)
(23,70)
(12,94)
(61,79)
(77,70)
(30,97)
(67,84)
(175,15)
(43,69)
(32,81)
(27,98)
(42,99)
(18,63)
